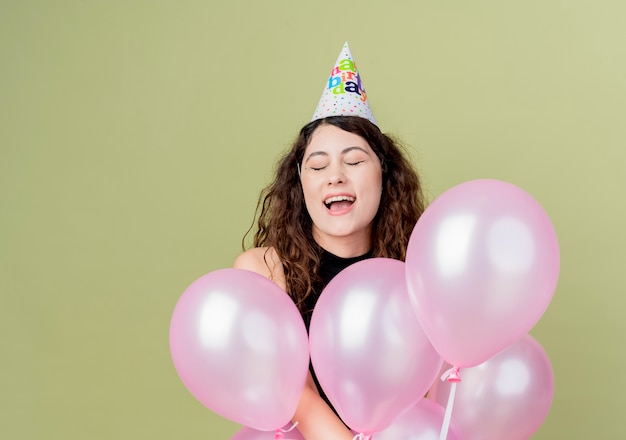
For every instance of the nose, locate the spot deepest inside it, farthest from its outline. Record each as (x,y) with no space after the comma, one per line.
(336,175)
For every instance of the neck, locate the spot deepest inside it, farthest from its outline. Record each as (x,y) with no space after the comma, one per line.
(344,247)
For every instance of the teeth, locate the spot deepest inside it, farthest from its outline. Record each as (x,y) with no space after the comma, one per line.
(338,199)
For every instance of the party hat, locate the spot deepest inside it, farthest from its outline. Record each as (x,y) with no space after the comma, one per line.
(344,93)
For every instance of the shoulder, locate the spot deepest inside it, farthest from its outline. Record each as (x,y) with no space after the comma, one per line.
(264,261)
(256,259)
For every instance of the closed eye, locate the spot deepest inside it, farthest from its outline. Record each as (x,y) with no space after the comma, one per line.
(355,163)
(317,168)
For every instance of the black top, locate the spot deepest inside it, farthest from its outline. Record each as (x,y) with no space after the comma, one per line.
(330,265)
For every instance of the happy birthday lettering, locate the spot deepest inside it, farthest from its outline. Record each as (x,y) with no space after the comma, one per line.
(345,78)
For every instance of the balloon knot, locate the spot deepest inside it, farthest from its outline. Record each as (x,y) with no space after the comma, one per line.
(278,434)
(452,375)
(362,436)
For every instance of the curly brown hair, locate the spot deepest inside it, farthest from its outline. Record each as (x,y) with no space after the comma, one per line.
(285,225)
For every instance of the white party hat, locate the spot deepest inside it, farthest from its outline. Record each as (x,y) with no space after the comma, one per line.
(344,93)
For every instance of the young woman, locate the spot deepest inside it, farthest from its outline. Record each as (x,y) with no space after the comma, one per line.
(344,192)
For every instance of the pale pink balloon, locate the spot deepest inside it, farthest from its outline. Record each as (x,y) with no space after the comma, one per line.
(247,433)
(423,421)
(506,397)
(482,266)
(240,347)
(370,354)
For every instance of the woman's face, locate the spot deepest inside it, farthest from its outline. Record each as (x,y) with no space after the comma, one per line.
(342,183)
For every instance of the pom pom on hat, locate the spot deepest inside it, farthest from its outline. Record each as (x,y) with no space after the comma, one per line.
(344,93)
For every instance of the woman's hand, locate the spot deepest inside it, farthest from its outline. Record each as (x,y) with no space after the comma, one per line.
(316,421)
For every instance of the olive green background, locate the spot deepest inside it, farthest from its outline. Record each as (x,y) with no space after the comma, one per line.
(136,135)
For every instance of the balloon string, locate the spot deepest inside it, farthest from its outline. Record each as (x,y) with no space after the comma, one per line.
(453,376)
(293,426)
(446,418)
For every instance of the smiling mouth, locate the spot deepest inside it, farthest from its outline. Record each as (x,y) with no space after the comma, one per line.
(338,203)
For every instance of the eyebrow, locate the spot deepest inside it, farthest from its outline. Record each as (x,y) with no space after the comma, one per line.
(343,152)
